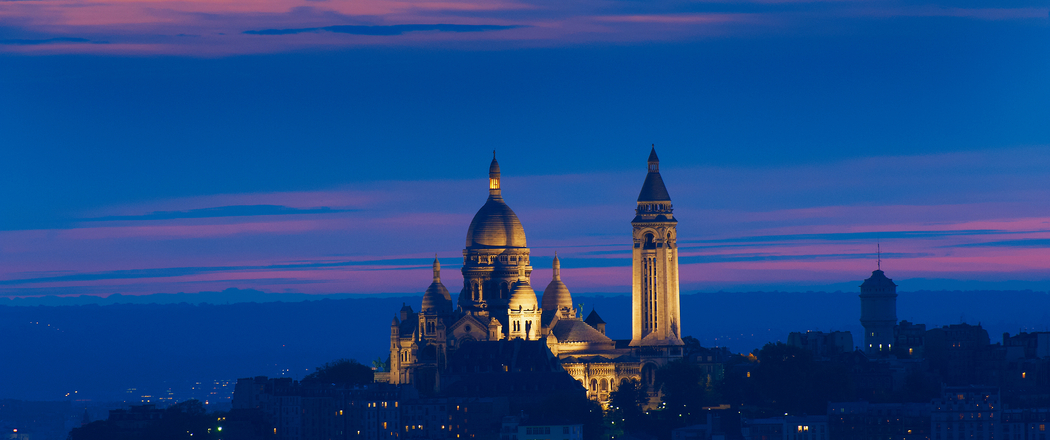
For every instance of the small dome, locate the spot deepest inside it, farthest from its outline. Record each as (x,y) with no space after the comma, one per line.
(436,298)
(522,295)
(556,295)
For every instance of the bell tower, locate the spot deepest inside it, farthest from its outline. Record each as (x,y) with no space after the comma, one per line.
(655,315)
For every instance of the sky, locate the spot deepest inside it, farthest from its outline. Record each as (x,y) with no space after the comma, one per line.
(330,146)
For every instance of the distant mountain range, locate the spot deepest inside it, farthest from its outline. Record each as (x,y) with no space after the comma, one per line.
(102,347)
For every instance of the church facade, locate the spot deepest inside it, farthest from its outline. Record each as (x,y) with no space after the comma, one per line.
(498,303)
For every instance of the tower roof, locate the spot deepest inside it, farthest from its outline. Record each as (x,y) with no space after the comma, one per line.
(653,189)
(495,225)
(494,166)
(571,330)
(878,280)
(593,319)
(556,295)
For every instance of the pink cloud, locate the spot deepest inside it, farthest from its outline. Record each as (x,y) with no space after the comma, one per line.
(134,27)
(718,224)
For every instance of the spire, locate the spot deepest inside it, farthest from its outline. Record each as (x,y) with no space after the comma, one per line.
(557,266)
(878,248)
(437,269)
(494,177)
(653,189)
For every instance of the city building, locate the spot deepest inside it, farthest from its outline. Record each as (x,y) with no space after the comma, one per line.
(822,345)
(970,412)
(1025,424)
(910,340)
(892,421)
(786,428)
(1036,345)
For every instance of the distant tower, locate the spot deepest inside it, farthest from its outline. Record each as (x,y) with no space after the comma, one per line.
(655,314)
(878,312)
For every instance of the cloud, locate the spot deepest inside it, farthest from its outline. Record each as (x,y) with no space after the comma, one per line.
(222,211)
(1023,243)
(849,236)
(727,258)
(397,29)
(165,272)
(29,42)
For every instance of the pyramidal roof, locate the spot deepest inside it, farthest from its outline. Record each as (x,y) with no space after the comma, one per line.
(653,189)
(593,319)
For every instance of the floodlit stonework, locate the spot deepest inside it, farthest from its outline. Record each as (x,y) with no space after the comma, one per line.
(497,302)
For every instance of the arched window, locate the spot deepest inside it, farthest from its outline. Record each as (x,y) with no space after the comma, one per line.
(648,374)
(594,385)
(650,242)
(605,385)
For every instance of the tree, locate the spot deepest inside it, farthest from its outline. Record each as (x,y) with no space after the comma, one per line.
(790,380)
(692,345)
(342,371)
(625,406)
(684,388)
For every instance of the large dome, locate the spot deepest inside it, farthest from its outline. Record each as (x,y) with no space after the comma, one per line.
(495,226)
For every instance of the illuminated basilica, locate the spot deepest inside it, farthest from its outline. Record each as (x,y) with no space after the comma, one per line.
(498,303)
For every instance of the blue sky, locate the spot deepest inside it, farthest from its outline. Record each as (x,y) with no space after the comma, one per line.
(793,136)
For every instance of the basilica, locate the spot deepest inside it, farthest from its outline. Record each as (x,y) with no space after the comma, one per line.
(498,303)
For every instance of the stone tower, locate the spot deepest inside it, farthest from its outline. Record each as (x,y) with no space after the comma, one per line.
(878,312)
(495,258)
(656,316)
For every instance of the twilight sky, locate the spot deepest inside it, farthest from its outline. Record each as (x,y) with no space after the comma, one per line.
(333,146)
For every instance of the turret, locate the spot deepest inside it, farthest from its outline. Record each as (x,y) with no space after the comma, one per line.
(436,299)
(556,297)
(494,177)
